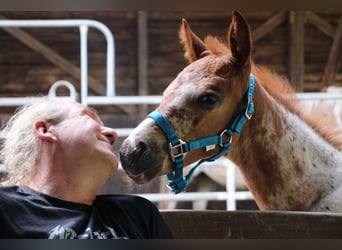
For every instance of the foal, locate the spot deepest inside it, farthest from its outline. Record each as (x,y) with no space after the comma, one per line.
(289,158)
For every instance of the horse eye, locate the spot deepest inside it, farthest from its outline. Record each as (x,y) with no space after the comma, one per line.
(208,100)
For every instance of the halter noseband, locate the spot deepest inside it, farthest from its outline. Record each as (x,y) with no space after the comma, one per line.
(178,148)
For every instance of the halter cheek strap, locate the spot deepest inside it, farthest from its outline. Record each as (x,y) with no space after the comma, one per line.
(178,148)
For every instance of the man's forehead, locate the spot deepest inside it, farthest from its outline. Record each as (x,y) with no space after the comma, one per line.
(91,111)
(80,108)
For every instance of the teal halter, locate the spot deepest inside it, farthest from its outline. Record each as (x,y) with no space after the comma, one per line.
(178,148)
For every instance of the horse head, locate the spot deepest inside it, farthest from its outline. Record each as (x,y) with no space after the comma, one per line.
(199,103)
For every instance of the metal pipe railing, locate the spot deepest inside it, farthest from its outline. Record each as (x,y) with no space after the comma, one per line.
(83,25)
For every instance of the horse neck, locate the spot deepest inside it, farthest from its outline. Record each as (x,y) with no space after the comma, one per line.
(287,165)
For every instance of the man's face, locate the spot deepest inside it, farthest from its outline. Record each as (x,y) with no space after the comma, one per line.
(85,141)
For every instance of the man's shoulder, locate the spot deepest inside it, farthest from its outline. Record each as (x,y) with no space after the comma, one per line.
(11,197)
(129,198)
(20,196)
(123,201)
(8,191)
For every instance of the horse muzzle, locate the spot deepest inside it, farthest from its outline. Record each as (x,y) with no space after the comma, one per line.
(141,156)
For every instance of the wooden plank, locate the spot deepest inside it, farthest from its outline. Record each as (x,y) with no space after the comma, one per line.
(269,25)
(322,25)
(64,64)
(335,58)
(296,66)
(142,61)
(189,224)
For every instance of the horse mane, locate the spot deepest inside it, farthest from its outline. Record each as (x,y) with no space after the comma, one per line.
(277,86)
(319,115)
(215,46)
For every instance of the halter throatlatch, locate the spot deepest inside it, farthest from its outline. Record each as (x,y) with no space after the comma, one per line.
(178,148)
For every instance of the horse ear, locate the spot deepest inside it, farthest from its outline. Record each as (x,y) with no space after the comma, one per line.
(239,38)
(193,45)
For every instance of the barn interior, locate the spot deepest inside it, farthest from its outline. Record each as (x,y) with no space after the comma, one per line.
(304,46)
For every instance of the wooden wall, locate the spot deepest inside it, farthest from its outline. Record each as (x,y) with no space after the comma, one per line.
(272,42)
(24,71)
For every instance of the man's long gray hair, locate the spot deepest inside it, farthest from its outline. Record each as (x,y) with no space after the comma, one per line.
(20,148)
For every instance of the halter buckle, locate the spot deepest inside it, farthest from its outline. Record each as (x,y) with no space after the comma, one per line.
(248,115)
(249,110)
(177,150)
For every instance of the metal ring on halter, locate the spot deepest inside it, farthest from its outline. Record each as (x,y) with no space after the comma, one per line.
(229,136)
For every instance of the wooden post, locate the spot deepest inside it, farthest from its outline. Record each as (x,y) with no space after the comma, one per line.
(335,58)
(142,61)
(297,50)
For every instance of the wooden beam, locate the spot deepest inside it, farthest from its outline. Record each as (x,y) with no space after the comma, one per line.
(297,50)
(321,24)
(269,25)
(96,86)
(335,58)
(189,224)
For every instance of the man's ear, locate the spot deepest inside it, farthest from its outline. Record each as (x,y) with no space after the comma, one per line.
(41,128)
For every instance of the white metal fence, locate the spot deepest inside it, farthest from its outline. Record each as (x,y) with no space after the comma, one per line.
(231,195)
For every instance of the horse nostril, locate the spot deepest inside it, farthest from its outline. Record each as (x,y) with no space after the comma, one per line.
(142,148)
(135,153)
(139,152)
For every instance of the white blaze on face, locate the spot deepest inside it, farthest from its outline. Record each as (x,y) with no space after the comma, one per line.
(139,130)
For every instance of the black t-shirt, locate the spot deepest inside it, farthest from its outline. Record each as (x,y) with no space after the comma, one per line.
(25,213)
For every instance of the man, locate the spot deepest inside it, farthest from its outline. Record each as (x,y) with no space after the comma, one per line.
(57,155)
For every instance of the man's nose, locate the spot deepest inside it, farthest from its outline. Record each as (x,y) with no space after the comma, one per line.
(110,133)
